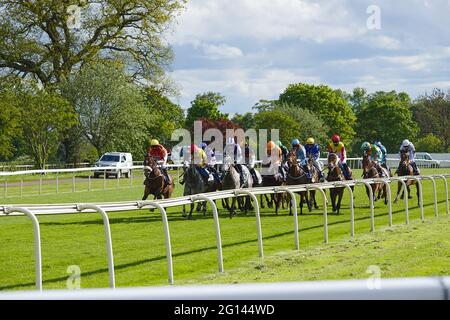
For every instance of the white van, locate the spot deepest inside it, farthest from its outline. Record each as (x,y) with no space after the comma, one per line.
(119,163)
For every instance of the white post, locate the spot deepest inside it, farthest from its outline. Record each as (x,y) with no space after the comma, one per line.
(200,197)
(37,241)
(258,219)
(166,234)
(107,228)
(446,191)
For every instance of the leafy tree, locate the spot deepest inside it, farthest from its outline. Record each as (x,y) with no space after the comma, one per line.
(205,105)
(167,116)
(328,104)
(432,113)
(45,116)
(430,143)
(245,121)
(387,117)
(48,38)
(110,108)
(277,119)
(10,127)
(358,100)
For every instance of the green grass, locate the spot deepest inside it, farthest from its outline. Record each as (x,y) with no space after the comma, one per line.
(139,251)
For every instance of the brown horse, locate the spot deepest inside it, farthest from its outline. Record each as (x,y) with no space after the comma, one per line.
(370,171)
(296,175)
(405,169)
(154,181)
(335,174)
(273,180)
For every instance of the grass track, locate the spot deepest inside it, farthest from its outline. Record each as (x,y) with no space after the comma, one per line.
(138,241)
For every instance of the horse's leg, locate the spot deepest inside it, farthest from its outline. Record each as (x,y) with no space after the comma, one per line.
(338,206)
(333,199)
(399,186)
(409,191)
(261,201)
(204,208)
(314,198)
(190,212)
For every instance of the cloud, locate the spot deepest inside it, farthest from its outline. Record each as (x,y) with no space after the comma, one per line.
(222,51)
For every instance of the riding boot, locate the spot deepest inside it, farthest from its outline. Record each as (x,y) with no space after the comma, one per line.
(415,169)
(254,176)
(166,176)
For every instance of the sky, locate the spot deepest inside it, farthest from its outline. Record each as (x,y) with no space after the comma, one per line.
(250,50)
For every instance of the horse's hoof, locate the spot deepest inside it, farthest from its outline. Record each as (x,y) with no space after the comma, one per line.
(316,207)
(410,197)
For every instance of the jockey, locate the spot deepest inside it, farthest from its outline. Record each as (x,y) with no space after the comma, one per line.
(233,150)
(300,152)
(375,155)
(383,160)
(159,154)
(284,151)
(211,162)
(250,159)
(312,149)
(338,148)
(200,160)
(274,152)
(408,147)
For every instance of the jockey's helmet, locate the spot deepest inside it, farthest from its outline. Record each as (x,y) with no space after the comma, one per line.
(310,141)
(406,143)
(278,143)
(295,142)
(365,146)
(193,148)
(377,143)
(154,142)
(335,138)
(203,145)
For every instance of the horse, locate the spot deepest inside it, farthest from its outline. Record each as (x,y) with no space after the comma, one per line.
(295,176)
(272,180)
(405,169)
(231,180)
(314,179)
(371,172)
(195,184)
(154,181)
(335,174)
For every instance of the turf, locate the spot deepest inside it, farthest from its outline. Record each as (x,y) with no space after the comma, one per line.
(139,251)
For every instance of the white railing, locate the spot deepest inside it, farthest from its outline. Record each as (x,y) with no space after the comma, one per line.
(32,211)
(437,288)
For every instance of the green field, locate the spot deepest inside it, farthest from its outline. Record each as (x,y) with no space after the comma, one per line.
(139,251)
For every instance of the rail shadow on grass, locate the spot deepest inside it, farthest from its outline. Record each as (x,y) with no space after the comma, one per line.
(139,262)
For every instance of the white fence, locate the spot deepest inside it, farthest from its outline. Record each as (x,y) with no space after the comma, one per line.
(32,211)
(437,288)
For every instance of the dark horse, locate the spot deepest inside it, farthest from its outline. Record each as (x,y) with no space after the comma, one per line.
(370,171)
(296,176)
(272,180)
(405,169)
(154,181)
(335,174)
(195,184)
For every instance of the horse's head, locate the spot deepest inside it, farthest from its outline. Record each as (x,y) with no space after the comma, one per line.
(404,157)
(332,159)
(334,173)
(291,159)
(227,163)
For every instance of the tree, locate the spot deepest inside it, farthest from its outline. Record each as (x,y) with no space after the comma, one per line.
(245,121)
(167,116)
(330,105)
(10,127)
(205,105)
(430,143)
(110,108)
(47,39)
(45,116)
(386,117)
(276,119)
(432,113)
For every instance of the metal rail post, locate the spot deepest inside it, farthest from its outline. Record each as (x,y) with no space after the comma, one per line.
(294,205)
(446,191)
(166,234)
(258,219)
(202,197)
(109,250)
(388,196)
(405,196)
(352,209)
(325,216)
(372,208)
(37,241)
(435,194)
